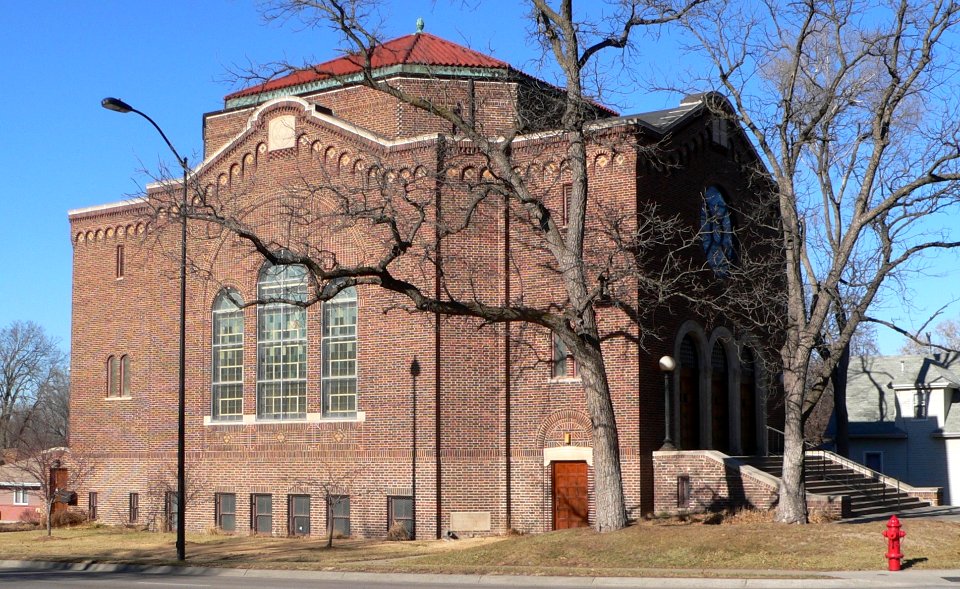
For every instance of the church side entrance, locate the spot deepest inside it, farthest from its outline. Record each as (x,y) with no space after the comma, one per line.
(570,500)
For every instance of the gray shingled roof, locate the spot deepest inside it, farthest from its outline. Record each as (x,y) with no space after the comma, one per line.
(10,474)
(871,398)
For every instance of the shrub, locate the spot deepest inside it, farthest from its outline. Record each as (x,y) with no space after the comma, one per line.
(64,519)
(30,516)
(397,531)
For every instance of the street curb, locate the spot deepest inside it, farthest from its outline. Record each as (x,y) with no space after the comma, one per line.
(820,580)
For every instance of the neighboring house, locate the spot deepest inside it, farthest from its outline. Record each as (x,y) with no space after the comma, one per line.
(904,416)
(283,400)
(19,493)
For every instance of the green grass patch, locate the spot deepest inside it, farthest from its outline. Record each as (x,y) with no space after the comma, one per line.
(649,548)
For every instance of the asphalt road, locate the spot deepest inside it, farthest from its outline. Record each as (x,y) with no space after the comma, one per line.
(53,576)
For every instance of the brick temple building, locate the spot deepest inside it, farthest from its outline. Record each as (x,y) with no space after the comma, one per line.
(431,422)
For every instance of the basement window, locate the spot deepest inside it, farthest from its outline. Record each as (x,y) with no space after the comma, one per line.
(683,492)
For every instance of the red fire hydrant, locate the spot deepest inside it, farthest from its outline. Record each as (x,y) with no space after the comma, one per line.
(893,533)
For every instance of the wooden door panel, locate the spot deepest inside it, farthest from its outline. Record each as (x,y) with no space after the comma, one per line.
(570,497)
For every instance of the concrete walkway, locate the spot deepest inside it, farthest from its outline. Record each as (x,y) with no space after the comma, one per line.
(940,512)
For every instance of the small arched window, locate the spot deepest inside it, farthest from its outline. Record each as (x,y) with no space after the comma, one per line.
(118,376)
(113,376)
(282,343)
(227,357)
(125,375)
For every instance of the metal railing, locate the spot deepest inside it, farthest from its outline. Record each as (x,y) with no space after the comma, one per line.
(853,476)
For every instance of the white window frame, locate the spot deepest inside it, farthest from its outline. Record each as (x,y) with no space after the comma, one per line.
(21,496)
(218,384)
(343,336)
(288,376)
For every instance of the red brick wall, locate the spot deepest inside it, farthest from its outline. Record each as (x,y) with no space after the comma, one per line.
(137,315)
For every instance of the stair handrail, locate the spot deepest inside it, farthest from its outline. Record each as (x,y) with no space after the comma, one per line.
(856,466)
(844,462)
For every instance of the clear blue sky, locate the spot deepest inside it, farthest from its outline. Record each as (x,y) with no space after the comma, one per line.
(59,150)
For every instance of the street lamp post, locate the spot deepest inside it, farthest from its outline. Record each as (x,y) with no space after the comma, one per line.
(117,105)
(414,373)
(667,366)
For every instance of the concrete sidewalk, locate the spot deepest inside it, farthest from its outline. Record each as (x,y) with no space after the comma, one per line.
(771,579)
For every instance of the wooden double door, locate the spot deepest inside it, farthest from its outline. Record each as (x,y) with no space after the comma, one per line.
(570,495)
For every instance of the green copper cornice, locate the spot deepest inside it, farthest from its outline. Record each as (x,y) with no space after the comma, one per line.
(338,81)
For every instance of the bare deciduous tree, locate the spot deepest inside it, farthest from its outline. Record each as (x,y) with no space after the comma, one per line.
(336,485)
(946,337)
(59,471)
(33,382)
(853,108)
(161,511)
(627,251)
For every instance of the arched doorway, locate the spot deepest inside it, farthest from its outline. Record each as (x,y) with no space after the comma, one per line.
(748,403)
(719,399)
(689,395)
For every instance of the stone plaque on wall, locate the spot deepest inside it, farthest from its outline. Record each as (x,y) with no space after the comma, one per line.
(470,521)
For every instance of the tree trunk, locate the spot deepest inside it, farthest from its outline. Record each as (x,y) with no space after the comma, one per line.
(329,502)
(49,518)
(792,507)
(611,512)
(838,379)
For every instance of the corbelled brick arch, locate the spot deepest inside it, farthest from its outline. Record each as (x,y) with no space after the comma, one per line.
(566,441)
(690,386)
(552,432)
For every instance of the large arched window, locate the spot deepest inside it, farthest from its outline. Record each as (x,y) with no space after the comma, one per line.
(340,354)
(282,343)
(227,357)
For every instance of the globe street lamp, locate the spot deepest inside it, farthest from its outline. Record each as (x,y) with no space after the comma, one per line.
(117,105)
(667,366)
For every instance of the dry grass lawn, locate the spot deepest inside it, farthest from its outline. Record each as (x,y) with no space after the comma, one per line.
(647,548)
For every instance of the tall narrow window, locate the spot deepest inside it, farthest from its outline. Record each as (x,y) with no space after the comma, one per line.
(298,514)
(125,375)
(261,514)
(564,364)
(134,507)
(339,352)
(400,514)
(119,268)
(282,344)
(566,194)
(338,515)
(113,376)
(170,511)
(92,505)
(226,511)
(227,357)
